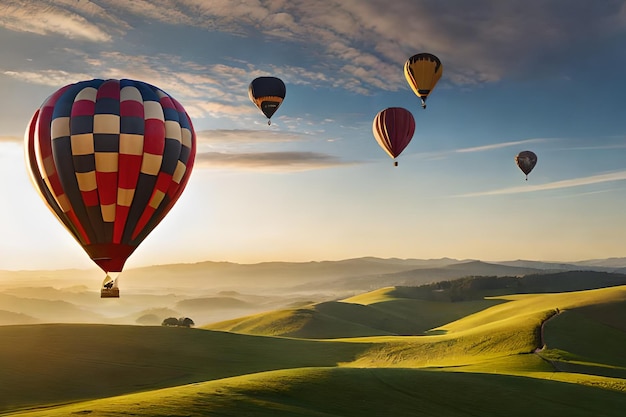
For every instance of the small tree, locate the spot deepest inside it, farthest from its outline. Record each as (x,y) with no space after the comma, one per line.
(170,321)
(181,322)
(185,322)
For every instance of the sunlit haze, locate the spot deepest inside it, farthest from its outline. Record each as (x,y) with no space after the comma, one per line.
(315,185)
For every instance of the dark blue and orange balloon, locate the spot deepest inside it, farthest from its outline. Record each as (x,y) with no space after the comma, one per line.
(110,158)
(267,93)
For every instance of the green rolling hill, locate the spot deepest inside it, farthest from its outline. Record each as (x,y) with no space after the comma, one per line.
(490,359)
(409,310)
(61,363)
(372,314)
(356,393)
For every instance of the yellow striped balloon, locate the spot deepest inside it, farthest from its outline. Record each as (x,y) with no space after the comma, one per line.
(422,71)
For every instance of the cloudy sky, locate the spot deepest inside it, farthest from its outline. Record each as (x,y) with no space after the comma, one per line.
(546,76)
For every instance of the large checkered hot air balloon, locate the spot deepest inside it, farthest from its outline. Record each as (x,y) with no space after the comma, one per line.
(110,158)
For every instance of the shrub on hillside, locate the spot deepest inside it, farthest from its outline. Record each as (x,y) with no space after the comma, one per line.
(185,322)
(170,321)
(181,322)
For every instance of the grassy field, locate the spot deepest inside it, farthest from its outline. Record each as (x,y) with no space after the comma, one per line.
(578,343)
(372,314)
(487,363)
(59,363)
(359,392)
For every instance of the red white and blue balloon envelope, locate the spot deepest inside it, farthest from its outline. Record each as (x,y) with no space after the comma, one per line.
(110,158)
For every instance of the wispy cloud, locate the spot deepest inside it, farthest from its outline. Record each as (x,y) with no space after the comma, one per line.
(227,136)
(595,192)
(60,18)
(269,161)
(575,182)
(571,147)
(215,90)
(54,78)
(501,145)
(362,44)
(484,148)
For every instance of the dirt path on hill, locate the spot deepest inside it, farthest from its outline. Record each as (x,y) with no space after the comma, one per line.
(542,341)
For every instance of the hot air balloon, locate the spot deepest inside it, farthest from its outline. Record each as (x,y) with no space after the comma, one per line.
(422,71)
(110,158)
(393,129)
(267,93)
(526,161)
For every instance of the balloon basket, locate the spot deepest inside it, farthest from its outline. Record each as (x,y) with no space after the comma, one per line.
(110,293)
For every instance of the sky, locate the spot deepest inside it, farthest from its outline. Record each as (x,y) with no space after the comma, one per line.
(546,76)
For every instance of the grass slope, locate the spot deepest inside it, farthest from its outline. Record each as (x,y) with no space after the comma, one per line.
(504,329)
(577,341)
(535,303)
(359,392)
(44,364)
(482,364)
(381,312)
(415,310)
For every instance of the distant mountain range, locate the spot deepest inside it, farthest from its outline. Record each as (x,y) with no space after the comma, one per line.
(213,291)
(349,274)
